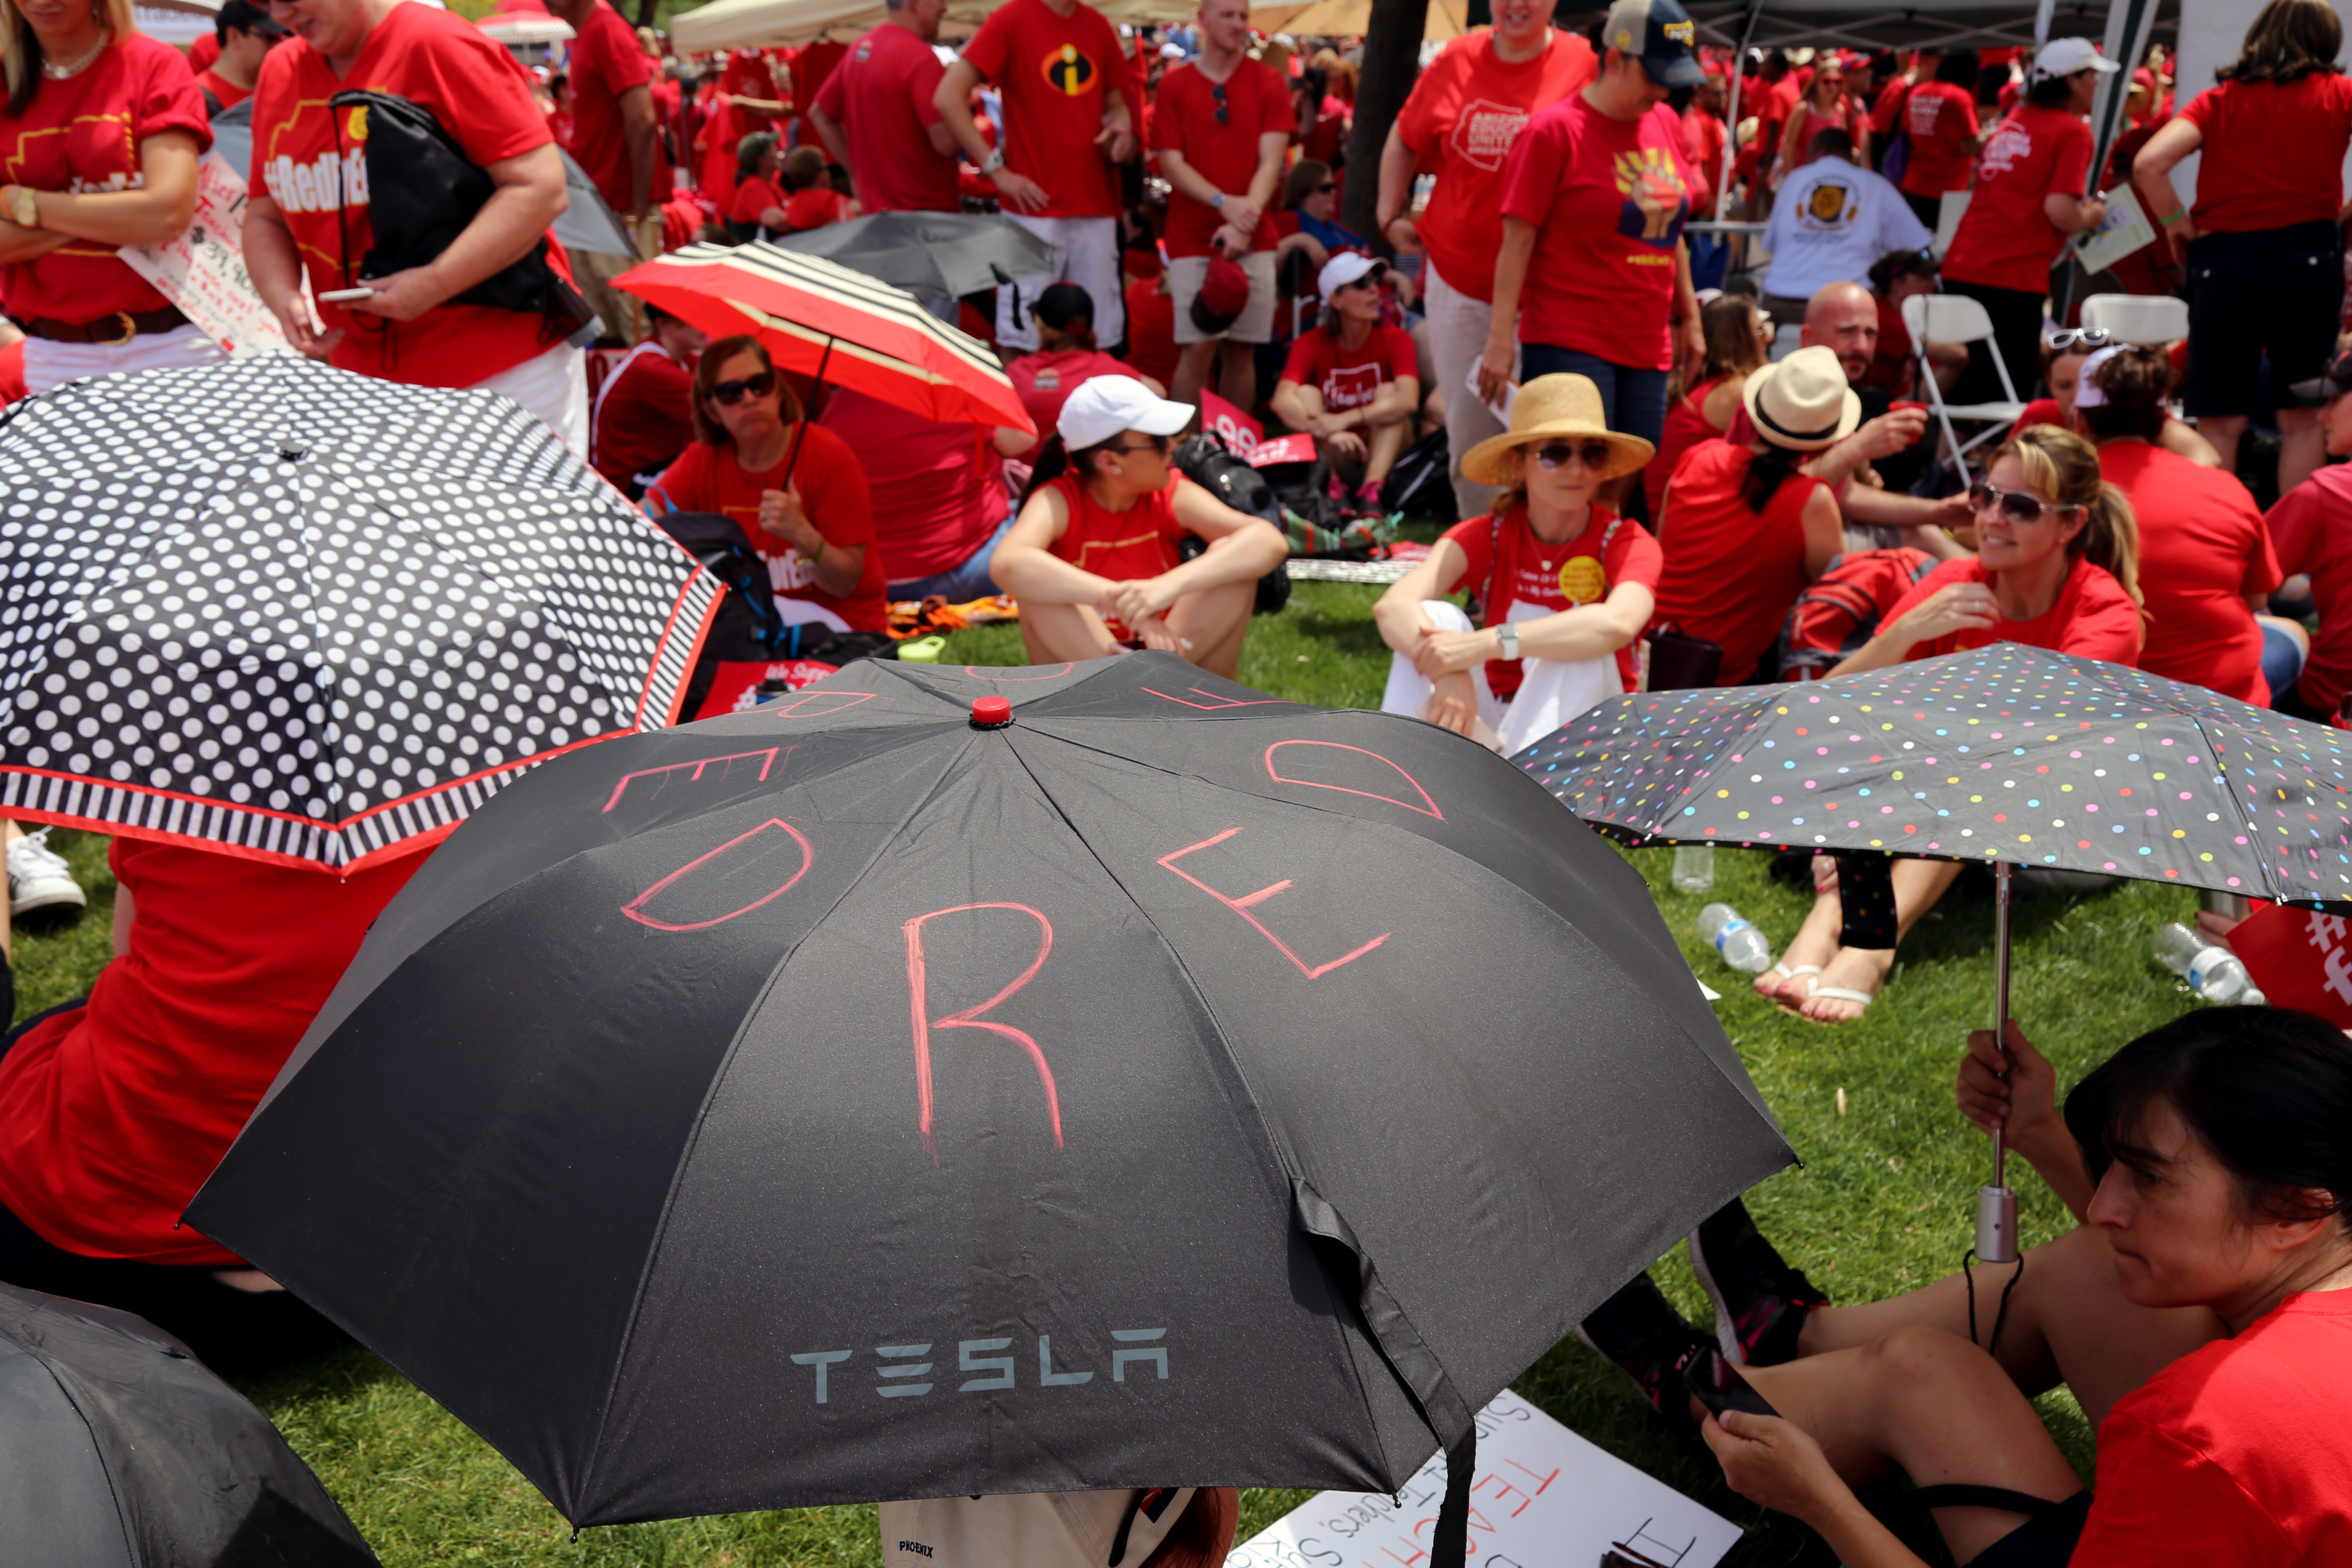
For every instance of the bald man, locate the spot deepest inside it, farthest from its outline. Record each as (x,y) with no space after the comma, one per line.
(1843,319)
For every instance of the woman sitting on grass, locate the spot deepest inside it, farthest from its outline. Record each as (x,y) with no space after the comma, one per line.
(1093,557)
(2199,1312)
(1567,584)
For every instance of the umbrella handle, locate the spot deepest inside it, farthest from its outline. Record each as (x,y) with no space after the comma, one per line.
(1997,1205)
(792,458)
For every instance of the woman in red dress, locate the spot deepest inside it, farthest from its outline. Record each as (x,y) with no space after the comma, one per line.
(1736,335)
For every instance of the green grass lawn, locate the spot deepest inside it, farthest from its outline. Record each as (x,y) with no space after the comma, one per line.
(1883,1201)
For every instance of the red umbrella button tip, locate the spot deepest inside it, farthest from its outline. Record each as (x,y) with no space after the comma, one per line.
(992,712)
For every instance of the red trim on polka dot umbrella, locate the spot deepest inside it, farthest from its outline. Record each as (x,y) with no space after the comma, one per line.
(2006,752)
(279,611)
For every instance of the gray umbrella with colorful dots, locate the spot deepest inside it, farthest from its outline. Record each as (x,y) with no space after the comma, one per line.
(2009,755)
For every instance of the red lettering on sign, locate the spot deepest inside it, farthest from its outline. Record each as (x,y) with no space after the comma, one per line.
(1240,906)
(970,1018)
(767,759)
(634,908)
(1427,808)
(1214,701)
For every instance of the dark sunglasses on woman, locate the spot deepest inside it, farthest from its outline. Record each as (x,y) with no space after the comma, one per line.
(727,394)
(2015,505)
(1555,455)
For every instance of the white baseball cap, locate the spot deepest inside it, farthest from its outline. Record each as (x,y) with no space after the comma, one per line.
(2064,56)
(1348,266)
(1104,405)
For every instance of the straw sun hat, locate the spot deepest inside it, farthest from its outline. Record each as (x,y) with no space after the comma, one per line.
(1804,403)
(1548,406)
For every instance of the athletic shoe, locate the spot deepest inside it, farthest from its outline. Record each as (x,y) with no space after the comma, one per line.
(1759,1301)
(1639,1330)
(38,876)
(1367,499)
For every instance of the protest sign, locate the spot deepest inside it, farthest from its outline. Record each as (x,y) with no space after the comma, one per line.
(1544,1498)
(203,271)
(1233,426)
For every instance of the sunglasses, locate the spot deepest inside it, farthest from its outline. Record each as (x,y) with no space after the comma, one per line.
(1555,455)
(1158,444)
(727,394)
(2015,505)
(1217,93)
(2081,338)
(1327,187)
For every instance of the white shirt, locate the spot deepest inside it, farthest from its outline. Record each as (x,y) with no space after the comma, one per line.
(1034,1529)
(1830,222)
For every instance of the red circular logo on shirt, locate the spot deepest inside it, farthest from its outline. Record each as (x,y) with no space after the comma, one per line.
(1068,71)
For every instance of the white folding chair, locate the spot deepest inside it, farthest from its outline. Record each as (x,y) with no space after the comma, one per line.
(2157,318)
(1949,213)
(1957,318)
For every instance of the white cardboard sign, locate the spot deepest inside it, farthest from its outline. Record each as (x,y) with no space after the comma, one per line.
(1544,1498)
(203,271)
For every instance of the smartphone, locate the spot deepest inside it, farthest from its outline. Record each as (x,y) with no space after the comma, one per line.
(1715,1382)
(345,296)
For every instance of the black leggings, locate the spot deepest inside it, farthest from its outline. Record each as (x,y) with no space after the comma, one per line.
(232,1332)
(1865,898)
(2017,335)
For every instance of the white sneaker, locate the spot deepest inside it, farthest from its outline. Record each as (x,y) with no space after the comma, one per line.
(38,876)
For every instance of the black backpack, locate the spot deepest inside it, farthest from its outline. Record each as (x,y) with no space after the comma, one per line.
(1422,483)
(422,192)
(1204,460)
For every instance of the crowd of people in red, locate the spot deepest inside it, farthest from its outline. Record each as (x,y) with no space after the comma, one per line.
(1655,461)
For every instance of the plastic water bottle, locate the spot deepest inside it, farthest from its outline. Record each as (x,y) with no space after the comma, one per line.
(1695,868)
(2213,972)
(1742,945)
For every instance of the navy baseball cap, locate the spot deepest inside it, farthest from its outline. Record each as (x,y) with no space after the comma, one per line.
(1661,33)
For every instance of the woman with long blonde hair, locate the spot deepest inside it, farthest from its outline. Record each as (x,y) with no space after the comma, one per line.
(1824,106)
(101,138)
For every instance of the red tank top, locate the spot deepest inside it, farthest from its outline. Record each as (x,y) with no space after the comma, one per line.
(1731,572)
(1685,428)
(1120,545)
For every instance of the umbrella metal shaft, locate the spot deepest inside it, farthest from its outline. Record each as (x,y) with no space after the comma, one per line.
(1996,1204)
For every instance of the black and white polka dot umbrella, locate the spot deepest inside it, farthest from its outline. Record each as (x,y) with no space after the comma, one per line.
(287,612)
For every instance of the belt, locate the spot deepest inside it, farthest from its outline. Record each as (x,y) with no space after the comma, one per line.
(111,330)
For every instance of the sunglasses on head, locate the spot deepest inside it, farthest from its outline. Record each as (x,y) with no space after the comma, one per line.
(2015,505)
(1555,455)
(727,394)
(2080,337)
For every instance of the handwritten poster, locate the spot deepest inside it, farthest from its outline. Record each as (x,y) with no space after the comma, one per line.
(203,271)
(1544,1498)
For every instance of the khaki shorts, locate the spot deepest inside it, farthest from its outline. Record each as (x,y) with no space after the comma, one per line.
(1253,325)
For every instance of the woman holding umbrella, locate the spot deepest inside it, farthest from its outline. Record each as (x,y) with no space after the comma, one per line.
(2058,567)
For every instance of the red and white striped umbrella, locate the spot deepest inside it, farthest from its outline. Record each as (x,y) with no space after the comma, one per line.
(817,317)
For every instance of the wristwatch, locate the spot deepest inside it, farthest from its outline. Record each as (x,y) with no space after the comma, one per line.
(1218,201)
(24,209)
(1508,635)
(994,161)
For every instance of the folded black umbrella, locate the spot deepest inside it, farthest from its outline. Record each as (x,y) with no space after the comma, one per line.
(858,1098)
(118,1450)
(929,254)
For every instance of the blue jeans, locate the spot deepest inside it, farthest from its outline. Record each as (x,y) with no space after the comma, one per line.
(2282,661)
(965,583)
(1634,401)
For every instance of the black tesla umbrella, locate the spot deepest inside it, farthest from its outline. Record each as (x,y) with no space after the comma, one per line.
(308,616)
(1152,1083)
(2007,754)
(118,1450)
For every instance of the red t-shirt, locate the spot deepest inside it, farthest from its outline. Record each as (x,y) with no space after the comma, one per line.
(1150,332)
(1891,98)
(1940,119)
(881,95)
(1327,139)
(1731,573)
(112,1115)
(811,68)
(2094,617)
(1461,121)
(226,91)
(1054,72)
(12,374)
(1554,576)
(1184,120)
(2236,1452)
(1703,139)
(833,493)
(2005,239)
(1774,107)
(814,208)
(605,61)
(1607,198)
(2272,156)
(2311,529)
(441,62)
(1124,546)
(1044,382)
(83,134)
(753,197)
(203,52)
(2203,549)
(644,415)
(1685,426)
(1350,377)
(937,490)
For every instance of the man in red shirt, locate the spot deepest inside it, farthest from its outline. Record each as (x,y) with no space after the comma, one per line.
(877,114)
(615,139)
(1702,132)
(1064,81)
(644,410)
(1221,127)
(245,34)
(1941,138)
(1464,115)
(308,211)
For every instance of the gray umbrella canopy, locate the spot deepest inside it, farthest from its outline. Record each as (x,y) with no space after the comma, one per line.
(929,254)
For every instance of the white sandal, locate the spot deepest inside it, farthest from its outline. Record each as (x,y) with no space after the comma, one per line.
(1786,974)
(1861,999)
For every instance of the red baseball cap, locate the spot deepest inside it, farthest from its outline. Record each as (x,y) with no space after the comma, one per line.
(1225,294)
